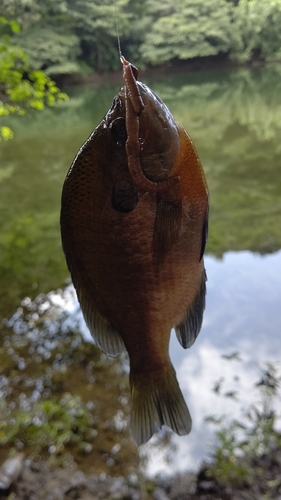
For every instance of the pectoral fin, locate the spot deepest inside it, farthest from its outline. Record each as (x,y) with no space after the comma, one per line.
(104,335)
(167,226)
(190,326)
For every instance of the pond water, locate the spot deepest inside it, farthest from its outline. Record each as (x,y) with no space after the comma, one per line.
(234,118)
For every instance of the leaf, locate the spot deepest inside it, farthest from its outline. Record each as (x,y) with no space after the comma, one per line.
(15,27)
(6,133)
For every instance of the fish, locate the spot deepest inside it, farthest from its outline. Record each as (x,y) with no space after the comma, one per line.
(134,223)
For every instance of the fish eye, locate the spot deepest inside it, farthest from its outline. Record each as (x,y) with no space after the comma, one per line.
(118,130)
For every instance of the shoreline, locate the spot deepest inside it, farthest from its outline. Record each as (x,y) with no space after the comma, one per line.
(194,66)
(37,480)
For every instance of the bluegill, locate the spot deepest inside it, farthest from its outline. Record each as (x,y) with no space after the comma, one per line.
(134,220)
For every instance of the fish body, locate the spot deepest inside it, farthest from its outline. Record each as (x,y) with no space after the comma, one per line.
(134,222)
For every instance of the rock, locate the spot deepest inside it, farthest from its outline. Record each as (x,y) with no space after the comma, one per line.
(159,494)
(10,471)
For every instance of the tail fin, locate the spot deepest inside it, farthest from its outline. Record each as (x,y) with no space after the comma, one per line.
(157,401)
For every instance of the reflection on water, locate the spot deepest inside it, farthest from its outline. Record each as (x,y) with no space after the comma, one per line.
(241,331)
(61,398)
(243,316)
(234,120)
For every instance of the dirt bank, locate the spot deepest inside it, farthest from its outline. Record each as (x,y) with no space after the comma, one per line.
(37,481)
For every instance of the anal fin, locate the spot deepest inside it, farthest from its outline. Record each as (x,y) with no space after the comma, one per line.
(188,329)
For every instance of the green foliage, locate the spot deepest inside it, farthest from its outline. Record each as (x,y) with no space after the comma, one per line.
(21,87)
(75,36)
(50,426)
(6,133)
(257,25)
(186,29)
(51,49)
(234,121)
(15,27)
(59,36)
(96,24)
(53,403)
(240,443)
(45,34)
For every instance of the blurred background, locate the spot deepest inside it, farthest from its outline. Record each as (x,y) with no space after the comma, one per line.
(217,66)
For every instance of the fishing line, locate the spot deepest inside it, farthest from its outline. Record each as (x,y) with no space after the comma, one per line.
(118,40)
(108,200)
(117,33)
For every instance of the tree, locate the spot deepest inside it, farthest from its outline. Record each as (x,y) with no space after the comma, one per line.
(46,34)
(63,37)
(21,87)
(257,24)
(70,36)
(97,24)
(187,28)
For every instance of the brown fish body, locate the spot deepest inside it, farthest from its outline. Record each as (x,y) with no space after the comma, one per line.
(135,255)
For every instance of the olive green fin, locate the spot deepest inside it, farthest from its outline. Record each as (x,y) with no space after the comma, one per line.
(104,335)
(157,400)
(188,329)
(167,227)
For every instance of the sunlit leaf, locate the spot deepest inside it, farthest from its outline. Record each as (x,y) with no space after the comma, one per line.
(6,133)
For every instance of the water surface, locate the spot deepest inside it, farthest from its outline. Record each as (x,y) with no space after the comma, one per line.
(234,119)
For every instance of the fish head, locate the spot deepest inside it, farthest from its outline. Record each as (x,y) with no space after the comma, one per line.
(158,134)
